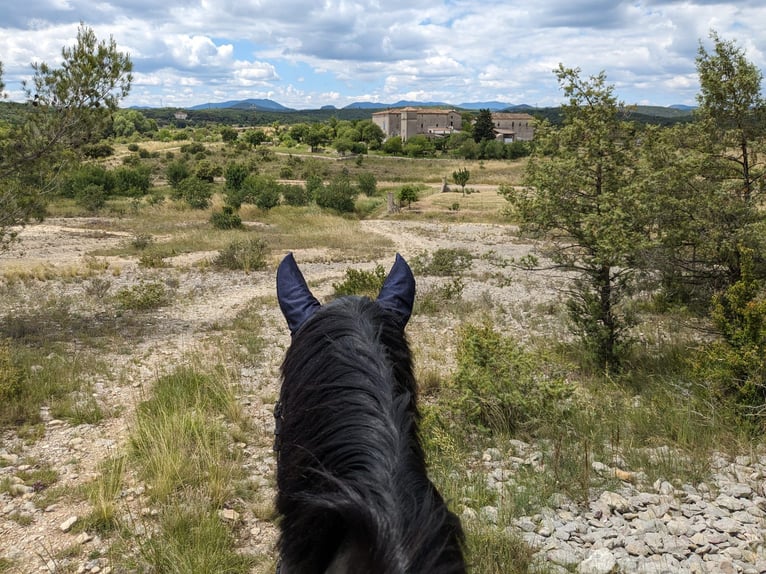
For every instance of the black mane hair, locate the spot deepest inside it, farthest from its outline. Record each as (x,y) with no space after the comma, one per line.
(353,491)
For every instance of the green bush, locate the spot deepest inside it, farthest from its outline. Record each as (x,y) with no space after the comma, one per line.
(92,197)
(193,148)
(226,219)
(361,282)
(207,171)
(195,192)
(314,186)
(367,183)
(142,297)
(295,194)
(736,365)
(85,176)
(443,262)
(132,181)
(176,172)
(235,175)
(503,388)
(98,150)
(269,197)
(339,194)
(247,255)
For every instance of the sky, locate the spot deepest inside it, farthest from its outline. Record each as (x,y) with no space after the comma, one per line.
(306,54)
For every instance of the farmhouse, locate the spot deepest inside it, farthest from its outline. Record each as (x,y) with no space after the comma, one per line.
(434,122)
(513,127)
(408,122)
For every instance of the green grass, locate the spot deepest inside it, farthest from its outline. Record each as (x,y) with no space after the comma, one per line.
(57,380)
(182,448)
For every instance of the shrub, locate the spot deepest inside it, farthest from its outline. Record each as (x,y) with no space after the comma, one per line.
(260,190)
(435,300)
(443,262)
(85,176)
(361,282)
(92,197)
(247,255)
(501,387)
(314,186)
(367,184)
(176,172)
(142,297)
(235,175)
(393,145)
(195,192)
(98,150)
(207,171)
(269,197)
(296,195)
(339,195)
(226,219)
(736,365)
(132,181)
(286,172)
(193,148)
(141,241)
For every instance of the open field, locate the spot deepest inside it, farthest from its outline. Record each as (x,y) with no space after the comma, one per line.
(104,314)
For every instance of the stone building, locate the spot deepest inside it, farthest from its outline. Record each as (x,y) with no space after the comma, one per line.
(408,122)
(513,127)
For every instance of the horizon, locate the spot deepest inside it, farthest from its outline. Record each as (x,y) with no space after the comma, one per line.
(306,56)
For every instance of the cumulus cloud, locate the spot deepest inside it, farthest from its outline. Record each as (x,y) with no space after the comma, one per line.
(370,49)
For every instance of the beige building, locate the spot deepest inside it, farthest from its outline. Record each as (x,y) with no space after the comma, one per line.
(513,127)
(408,122)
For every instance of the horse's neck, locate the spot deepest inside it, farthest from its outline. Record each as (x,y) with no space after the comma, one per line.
(347,560)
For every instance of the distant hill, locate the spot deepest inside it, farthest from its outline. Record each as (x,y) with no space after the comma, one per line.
(249,104)
(493,106)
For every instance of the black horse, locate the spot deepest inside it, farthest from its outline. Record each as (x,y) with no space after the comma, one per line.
(353,492)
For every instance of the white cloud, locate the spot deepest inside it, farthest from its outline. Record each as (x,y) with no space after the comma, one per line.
(340,50)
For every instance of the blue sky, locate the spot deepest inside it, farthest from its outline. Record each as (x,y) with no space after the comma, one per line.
(311,53)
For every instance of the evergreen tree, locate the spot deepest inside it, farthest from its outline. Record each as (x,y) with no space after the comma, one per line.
(69,108)
(484,127)
(578,192)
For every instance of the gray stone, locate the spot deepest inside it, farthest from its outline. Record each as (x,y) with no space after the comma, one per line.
(601,561)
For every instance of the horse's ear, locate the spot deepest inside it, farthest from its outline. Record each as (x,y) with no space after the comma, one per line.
(295,298)
(398,291)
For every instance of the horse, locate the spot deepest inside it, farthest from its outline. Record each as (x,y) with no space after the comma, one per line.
(353,492)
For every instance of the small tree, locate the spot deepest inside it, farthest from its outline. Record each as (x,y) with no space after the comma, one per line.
(70,107)
(580,189)
(408,193)
(367,183)
(461,177)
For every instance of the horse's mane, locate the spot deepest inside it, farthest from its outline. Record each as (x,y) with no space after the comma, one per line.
(352,473)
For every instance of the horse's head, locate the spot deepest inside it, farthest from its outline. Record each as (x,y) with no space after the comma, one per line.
(298,304)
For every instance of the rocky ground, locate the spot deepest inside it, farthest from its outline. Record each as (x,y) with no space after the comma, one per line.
(710,527)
